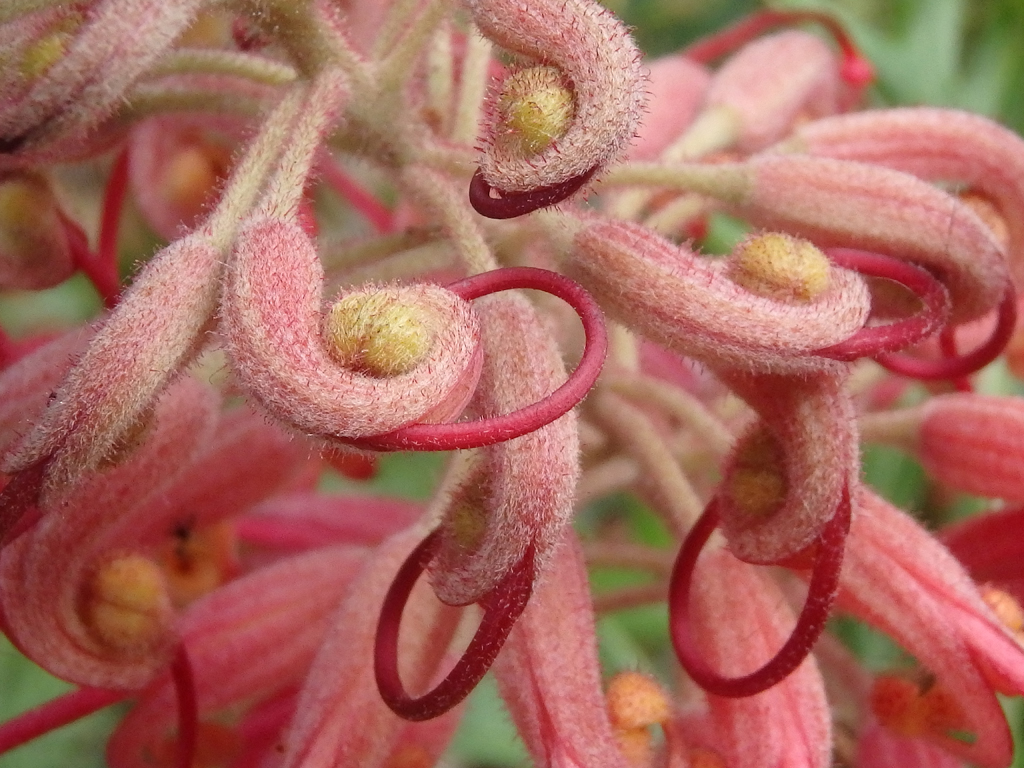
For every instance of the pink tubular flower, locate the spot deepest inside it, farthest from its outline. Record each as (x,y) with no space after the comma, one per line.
(183,515)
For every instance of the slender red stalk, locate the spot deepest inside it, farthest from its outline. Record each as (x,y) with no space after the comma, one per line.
(113,206)
(810,624)
(512,204)
(188,706)
(372,209)
(474,434)
(963,365)
(871,341)
(502,608)
(855,70)
(947,343)
(55,714)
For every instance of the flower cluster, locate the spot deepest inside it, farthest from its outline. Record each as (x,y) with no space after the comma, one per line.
(355,203)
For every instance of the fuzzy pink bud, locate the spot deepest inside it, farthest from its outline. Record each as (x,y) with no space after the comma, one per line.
(690,304)
(936,145)
(34,248)
(520,493)
(603,82)
(275,335)
(975,443)
(773,82)
(677,87)
(846,204)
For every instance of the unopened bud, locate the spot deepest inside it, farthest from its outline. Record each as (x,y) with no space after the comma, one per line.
(378,333)
(780,267)
(127,607)
(636,701)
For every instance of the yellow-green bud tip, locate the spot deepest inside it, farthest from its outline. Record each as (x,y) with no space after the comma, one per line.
(534,109)
(780,267)
(379,334)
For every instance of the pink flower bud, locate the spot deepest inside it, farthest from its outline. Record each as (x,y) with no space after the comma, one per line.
(677,87)
(846,204)
(740,620)
(602,86)
(548,672)
(901,580)
(770,84)
(92,70)
(975,443)
(302,366)
(936,145)
(690,304)
(520,493)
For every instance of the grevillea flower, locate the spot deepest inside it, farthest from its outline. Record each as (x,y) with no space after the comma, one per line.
(178,525)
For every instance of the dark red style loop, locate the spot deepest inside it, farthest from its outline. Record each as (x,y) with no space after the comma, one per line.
(512,204)
(483,432)
(810,624)
(876,340)
(502,608)
(963,365)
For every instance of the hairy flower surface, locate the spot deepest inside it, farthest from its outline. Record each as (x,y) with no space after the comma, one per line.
(374,237)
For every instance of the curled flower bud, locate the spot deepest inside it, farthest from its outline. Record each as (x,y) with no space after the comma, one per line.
(81,81)
(34,249)
(691,305)
(588,98)
(520,493)
(936,145)
(274,329)
(846,204)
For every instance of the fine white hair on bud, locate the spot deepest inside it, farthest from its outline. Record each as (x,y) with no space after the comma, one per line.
(600,71)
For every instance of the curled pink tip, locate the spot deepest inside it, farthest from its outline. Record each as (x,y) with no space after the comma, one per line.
(512,204)
(869,342)
(856,70)
(188,706)
(502,608)
(475,434)
(963,365)
(821,593)
(55,714)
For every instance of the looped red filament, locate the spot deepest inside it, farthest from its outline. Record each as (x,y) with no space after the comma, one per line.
(513,204)
(821,593)
(872,341)
(963,365)
(482,432)
(502,608)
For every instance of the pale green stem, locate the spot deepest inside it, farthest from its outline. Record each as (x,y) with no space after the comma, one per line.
(678,403)
(900,429)
(258,69)
(630,597)
(440,78)
(397,66)
(610,476)
(285,189)
(251,172)
(404,266)
(671,219)
(436,192)
(611,554)
(679,503)
(623,347)
(350,254)
(729,182)
(472,88)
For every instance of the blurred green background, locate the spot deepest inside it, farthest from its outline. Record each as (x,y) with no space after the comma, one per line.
(957,53)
